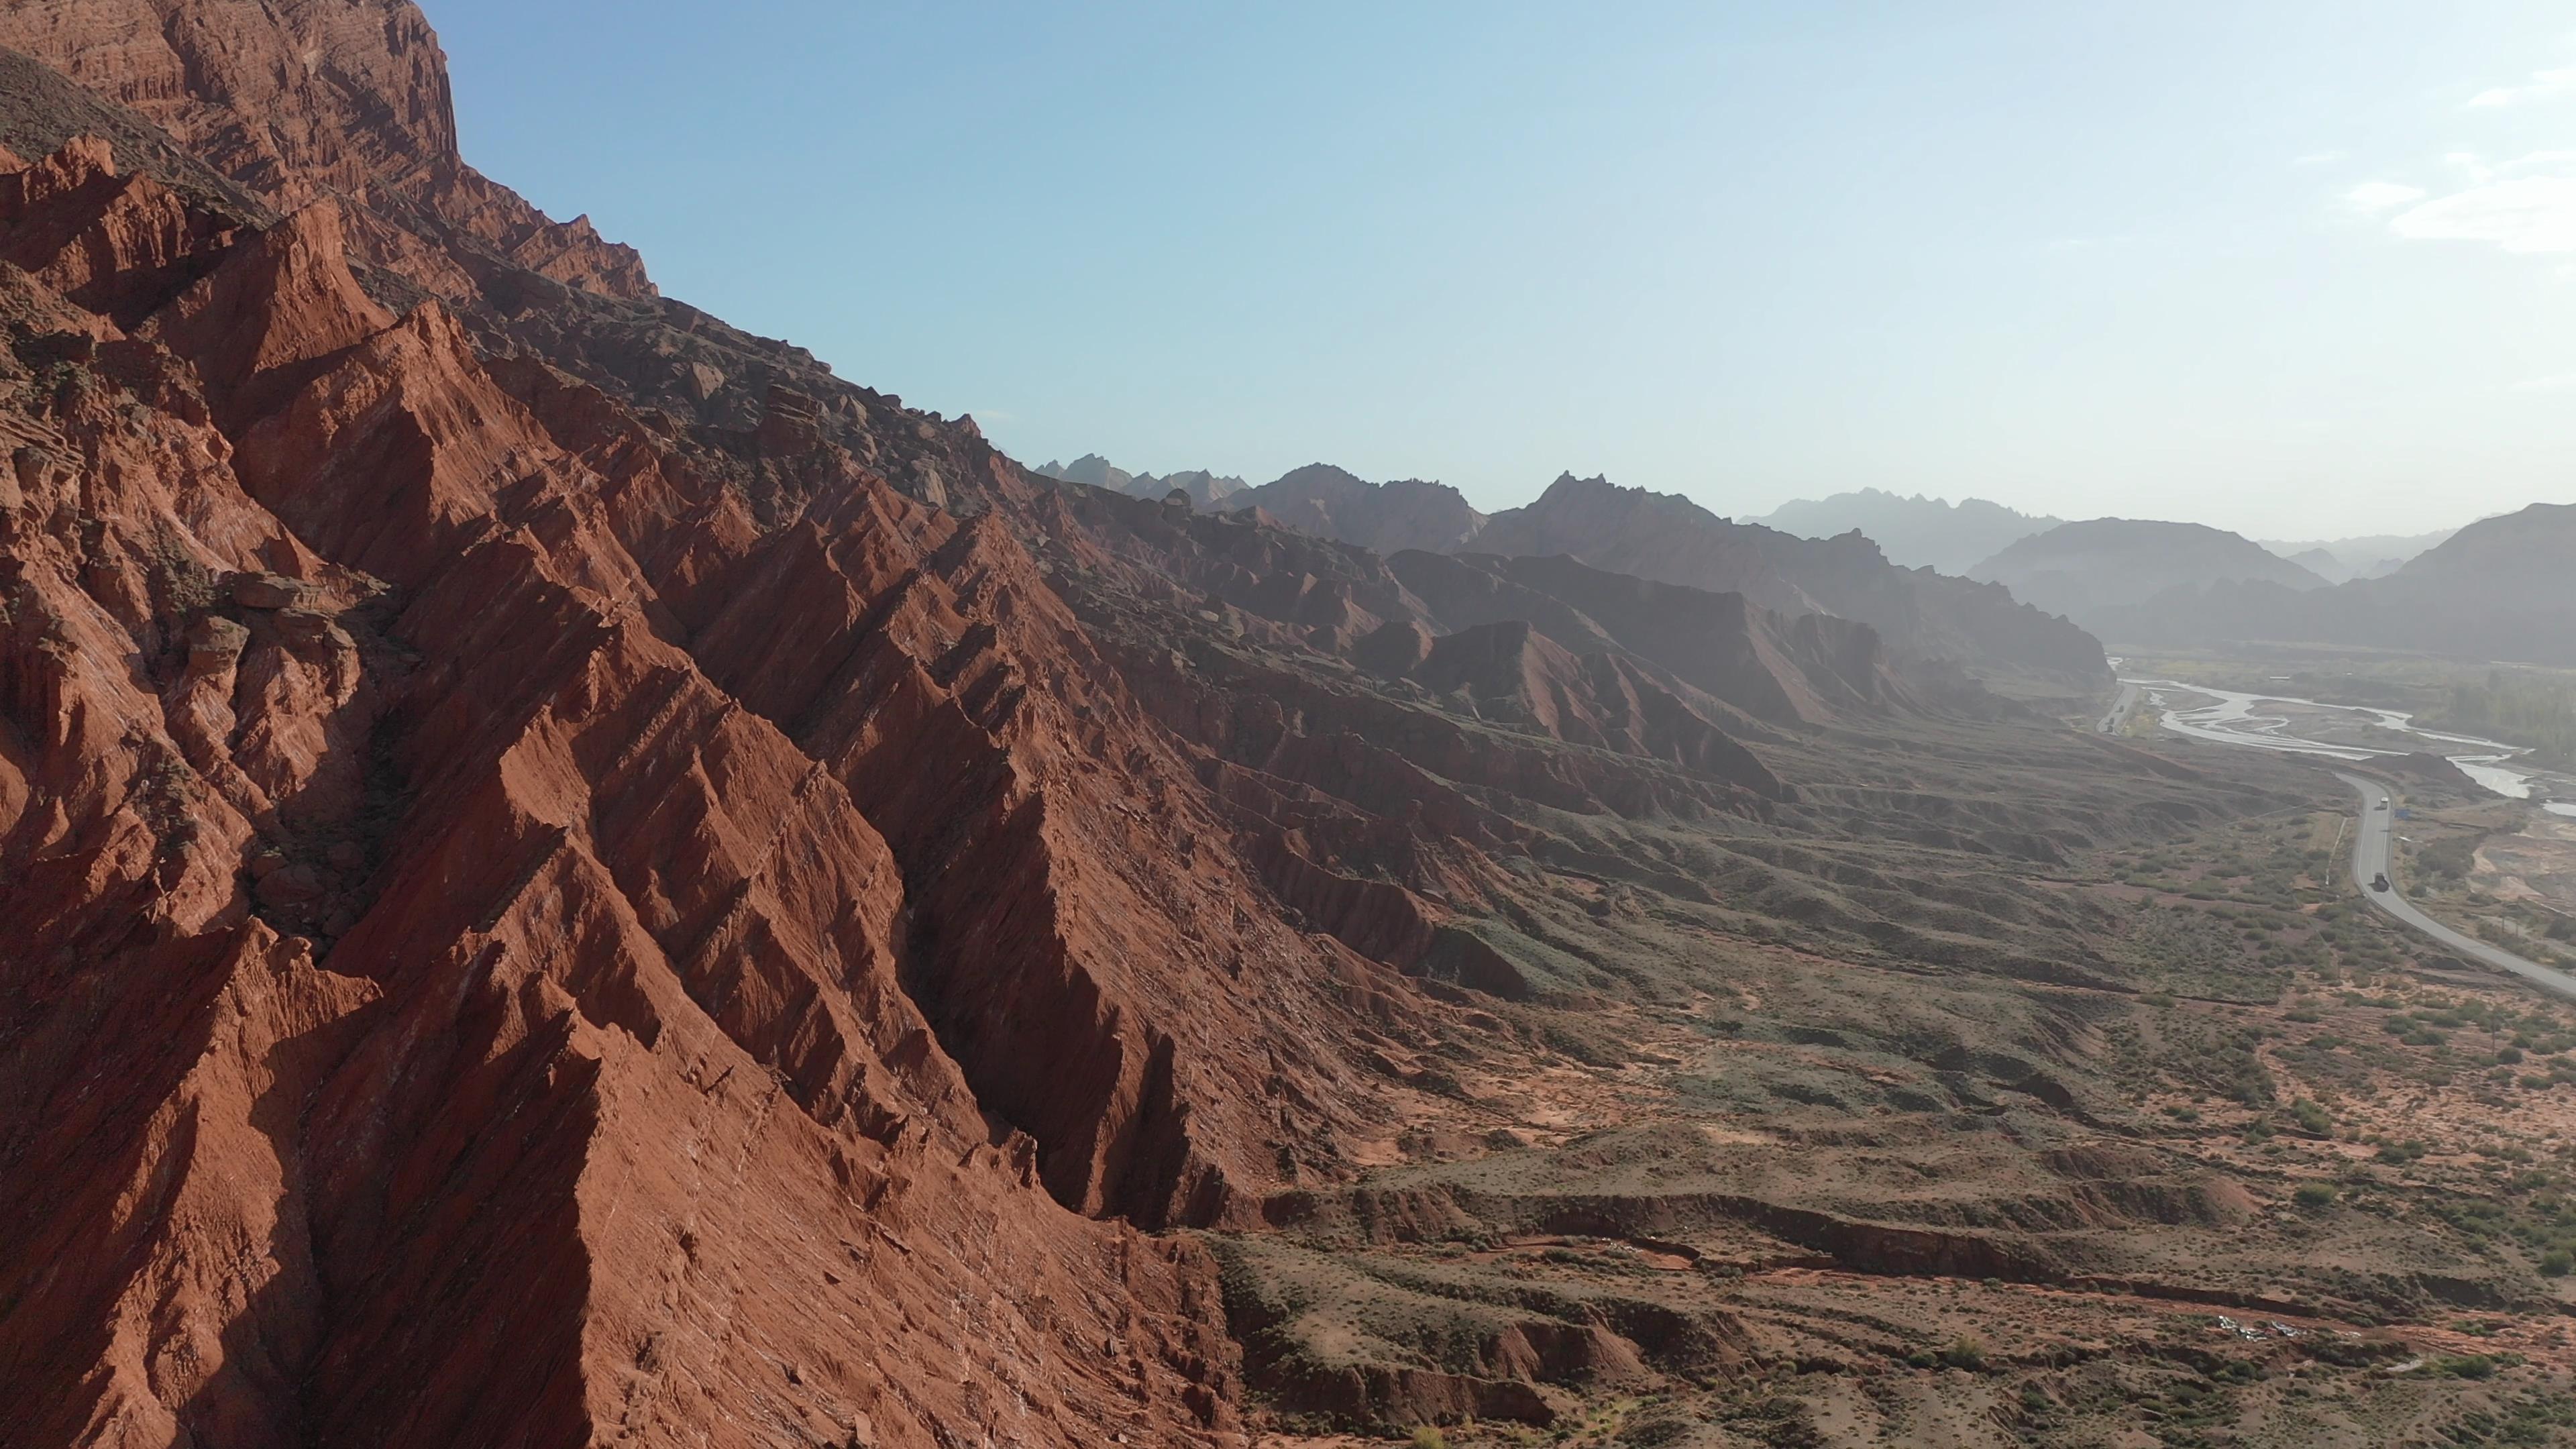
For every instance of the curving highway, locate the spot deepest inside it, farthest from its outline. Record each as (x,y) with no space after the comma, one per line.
(2371,855)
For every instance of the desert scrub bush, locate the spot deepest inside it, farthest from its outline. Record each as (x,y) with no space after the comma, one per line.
(2313,1195)
(1427,1437)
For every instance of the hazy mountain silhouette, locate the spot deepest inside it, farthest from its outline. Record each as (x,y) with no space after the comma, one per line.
(2368,556)
(2091,570)
(1205,489)
(1331,503)
(2501,588)
(1916,532)
(1667,538)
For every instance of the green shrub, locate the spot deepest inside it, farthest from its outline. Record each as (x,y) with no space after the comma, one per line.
(2557,1263)
(1427,1437)
(2464,1366)
(2313,1195)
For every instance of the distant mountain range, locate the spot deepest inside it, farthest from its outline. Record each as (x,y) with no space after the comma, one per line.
(1921,532)
(2370,556)
(1389,517)
(1666,538)
(2096,571)
(1915,532)
(2037,600)
(1205,489)
(2501,588)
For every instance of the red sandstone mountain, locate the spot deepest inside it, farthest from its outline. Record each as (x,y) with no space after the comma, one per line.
(572,876)
(365,792)
(624,910)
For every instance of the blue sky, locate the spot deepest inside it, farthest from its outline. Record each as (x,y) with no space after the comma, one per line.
(2297,268)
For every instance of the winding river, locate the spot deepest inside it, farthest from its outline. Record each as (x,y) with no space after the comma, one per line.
(2230,717)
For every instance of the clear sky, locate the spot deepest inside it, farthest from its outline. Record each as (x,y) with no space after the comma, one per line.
(2296,267)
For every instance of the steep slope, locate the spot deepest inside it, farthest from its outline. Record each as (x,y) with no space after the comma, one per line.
(2098,571)
(299,99)
(1801,669)
(279,105)
(1511,671)
(399,745)
(1916,532)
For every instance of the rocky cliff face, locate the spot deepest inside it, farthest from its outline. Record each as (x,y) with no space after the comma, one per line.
(297,100)
(548,932)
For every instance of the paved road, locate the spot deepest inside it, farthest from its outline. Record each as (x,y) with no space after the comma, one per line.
(2370,856)
(2119,714)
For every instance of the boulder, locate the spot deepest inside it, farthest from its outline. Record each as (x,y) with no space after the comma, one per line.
(268,591)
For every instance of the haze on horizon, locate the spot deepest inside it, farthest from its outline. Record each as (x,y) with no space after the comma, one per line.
(2298,270)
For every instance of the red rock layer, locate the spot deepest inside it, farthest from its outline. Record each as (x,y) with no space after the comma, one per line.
(507,947)
(299,99)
